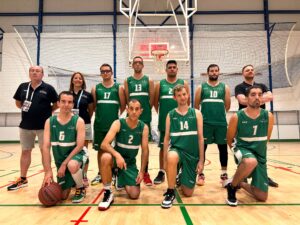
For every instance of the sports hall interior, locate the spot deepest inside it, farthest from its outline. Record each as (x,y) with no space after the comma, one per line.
(65,36)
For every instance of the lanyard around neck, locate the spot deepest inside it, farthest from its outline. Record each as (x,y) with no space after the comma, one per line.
(27,93)
(79,99)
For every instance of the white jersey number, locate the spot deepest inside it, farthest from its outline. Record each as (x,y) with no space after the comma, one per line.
(254,130)
(130,139)
(184,125)
(61,135)
(138,87)
(213,94)
(106,95)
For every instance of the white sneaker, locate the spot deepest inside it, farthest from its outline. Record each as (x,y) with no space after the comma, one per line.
(107,200)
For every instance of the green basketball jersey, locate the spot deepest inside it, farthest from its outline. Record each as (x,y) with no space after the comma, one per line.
(63,138)
(107,107)
(128,141)
(213,104)
(184,132)
(139,89)
(166,101)
(252,134)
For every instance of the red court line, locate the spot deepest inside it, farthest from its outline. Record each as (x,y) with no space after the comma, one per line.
(285,169)
(80,220)
(41,171)
(208,162)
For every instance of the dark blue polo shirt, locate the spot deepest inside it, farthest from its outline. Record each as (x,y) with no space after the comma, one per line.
(41,107)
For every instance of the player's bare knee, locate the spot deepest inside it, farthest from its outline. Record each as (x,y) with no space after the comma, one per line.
(187,192)
(134,195)
(250,162)
(106,159)
(73,166)
(172,157)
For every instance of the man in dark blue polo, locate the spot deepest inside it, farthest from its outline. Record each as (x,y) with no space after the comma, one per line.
(37,100)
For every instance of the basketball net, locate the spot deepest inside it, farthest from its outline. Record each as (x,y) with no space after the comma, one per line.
(159,55)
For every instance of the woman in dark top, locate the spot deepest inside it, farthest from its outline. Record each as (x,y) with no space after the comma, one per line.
(84,107)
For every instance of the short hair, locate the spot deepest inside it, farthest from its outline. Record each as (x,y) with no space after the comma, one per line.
(255,86)
(246,66)
(65,93)
(37,66)
(135,100)
(71,88)
(137,57)
(106,64)
(178,88)
(211,66)
(172,61)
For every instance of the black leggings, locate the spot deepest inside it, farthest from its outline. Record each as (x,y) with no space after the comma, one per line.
(223,154)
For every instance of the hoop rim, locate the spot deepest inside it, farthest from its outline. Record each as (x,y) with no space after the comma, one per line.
(159,52)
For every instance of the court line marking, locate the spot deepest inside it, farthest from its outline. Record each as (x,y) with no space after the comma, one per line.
(80,220)
(285,169)
(19,170)
(284,163)
(154,204)
(183,210)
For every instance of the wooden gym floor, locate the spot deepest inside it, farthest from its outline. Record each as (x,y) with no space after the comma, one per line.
(207,206)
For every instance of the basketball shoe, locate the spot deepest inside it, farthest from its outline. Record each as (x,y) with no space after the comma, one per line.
(79,195)
(169,198)
(19,183)
(159,178)
(107,200)
(147,179)
(201,179)
(231,199)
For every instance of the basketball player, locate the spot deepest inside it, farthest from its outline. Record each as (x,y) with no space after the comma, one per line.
(214,98)
(66,134)
(109,100)
(186,149)
(163,103)
(37,100)
(129,133)
(240,94)
(141,87)
(252,128)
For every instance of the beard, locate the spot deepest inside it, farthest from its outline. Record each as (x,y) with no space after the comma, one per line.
(213,78)
(255,105)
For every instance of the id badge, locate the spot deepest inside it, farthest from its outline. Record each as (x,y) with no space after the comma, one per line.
(26,105)
(75,111)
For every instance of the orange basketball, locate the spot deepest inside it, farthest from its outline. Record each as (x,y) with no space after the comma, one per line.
(50,195)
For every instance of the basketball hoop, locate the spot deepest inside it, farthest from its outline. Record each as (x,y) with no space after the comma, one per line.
(158,55)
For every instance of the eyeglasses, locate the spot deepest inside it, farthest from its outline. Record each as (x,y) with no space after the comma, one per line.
(105,71)
(137,62)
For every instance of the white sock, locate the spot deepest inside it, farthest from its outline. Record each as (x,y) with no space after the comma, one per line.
(224,171)
(78,178)
(107,186)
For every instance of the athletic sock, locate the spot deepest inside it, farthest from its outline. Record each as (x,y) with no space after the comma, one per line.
(78,178)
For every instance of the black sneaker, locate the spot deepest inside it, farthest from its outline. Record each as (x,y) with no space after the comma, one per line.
(231,199)
(107,200)
(169,198)
(272,183)
(19,183)
(159,178)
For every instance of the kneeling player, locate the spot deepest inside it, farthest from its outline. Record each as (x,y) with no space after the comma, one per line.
(183,146)
(66,134)
(129,133)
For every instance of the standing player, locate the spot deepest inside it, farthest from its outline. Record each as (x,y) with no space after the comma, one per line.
(184,134)
(163,103)
(66,134)
(84,107)
(130,133)
(109,100)
(240,94)
(37,100)
(252,128)
(214,98)
(141,87)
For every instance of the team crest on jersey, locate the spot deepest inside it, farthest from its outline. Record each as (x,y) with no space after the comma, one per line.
(244,122)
